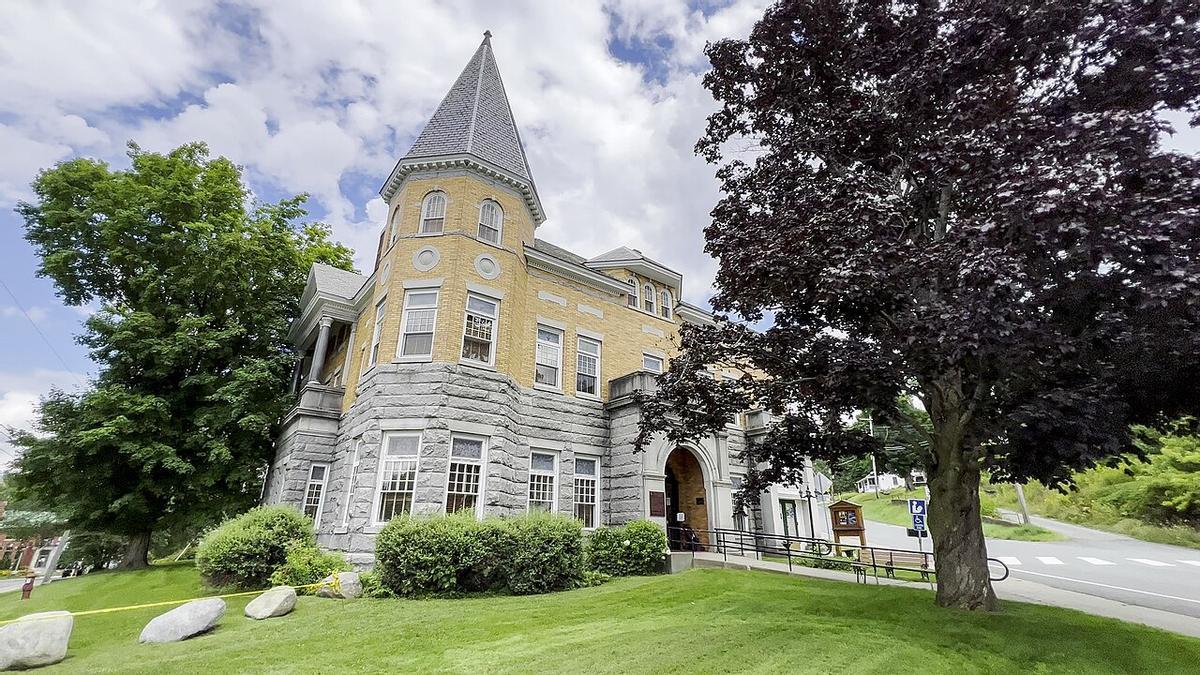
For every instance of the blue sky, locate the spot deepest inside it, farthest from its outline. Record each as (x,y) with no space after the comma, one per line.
(323,97)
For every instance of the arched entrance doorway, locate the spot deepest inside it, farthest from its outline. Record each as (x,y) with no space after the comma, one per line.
(686,495)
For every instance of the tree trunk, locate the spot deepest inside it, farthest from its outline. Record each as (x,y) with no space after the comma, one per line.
(960,552)
(136,552)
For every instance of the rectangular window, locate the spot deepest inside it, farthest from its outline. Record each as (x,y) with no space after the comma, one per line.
(542,469)
(397,475)
(652,363)
(314,494)
(585,491)
(739,515)
(587,367)
(479,330)
(633,293)
(548,357)
(466,468)
(420,317)
(380,310)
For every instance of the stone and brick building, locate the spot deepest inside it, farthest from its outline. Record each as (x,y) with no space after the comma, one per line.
(479,367)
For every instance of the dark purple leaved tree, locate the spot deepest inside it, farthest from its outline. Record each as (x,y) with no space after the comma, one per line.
(962,202)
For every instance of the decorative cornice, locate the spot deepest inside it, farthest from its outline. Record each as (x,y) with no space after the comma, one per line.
(643,266)
(578,273)
(411,165)
(693,314)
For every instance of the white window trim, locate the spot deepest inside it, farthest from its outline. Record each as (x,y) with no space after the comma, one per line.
(378,496)
(495,333)
(553,473)
(661,361)
(666,308)
(596,512)
(424,212)
(482,461)
(376,333)
(350,475)
(599,365)
(537,341)
(499,224)
(394,224)
(649,293)
(324,490)
(437,301)
(634,293)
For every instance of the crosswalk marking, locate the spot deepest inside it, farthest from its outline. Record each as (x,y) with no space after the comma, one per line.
(1049,560)
(1152,563)
(1009,560)
(1194,563)
(1095,561)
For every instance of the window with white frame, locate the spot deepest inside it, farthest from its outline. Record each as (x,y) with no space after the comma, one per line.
(666,304)
(479,329)
(548,357)
(380,310)
(586,476)
(587,367)
(420,316)
(739,514)
(351,472)
(314,493)
(491,220)
(397,475)
(542,470)
(395,233)
(652,363)
(466,469)
(633,292)
(648,298)
(433,213)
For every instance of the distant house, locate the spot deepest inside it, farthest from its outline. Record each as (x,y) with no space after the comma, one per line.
(887,481)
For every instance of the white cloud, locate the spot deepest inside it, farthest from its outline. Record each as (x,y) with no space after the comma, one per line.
(313,96)
(35,314)
(19,395)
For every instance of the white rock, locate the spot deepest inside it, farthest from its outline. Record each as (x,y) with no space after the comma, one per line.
(275,602)
(185,621)
(349,586)
(35,640)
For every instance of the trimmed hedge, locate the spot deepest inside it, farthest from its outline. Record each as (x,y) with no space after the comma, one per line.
(633,549)
(438,555)
(244,551)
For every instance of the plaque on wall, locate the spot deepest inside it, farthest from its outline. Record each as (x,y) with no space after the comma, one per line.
(658,504)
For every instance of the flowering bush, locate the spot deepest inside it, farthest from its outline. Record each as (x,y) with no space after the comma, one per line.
(629,550)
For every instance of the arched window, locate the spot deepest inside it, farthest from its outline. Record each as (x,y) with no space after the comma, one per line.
(648,298)
(395,225)
(666,304)
(491,220)
(433,213)
(633,297)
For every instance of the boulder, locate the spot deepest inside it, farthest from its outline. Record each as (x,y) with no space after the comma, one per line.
(348,586)
(185,621)
(35,640)
(275,602)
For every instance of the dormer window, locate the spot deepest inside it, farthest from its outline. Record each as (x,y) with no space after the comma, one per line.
(648,298)
(633,296)
(666,303)
(433,213)
(491,219)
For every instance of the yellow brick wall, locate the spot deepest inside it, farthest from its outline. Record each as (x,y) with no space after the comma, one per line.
(622,327)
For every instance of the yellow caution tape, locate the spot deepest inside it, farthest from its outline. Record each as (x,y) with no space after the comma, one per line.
(336,585)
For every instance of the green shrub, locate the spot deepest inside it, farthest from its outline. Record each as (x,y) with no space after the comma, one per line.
(593,578)
(373,587)
(547,553)
(416,556)
(244,551)
(636,548)
(307,565)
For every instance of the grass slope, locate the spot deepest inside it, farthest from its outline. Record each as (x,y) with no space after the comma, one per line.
(882,509)
(699,621)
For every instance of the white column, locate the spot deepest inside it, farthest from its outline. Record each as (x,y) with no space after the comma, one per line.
(318,361)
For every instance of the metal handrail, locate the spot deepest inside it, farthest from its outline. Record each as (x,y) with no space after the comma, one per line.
(858,558)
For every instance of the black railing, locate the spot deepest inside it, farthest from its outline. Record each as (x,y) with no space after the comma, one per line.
(864,561)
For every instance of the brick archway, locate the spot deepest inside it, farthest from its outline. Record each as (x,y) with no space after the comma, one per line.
(687,493)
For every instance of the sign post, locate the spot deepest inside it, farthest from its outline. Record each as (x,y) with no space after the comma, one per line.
(917,509)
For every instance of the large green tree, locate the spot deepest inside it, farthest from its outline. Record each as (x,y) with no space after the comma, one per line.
(196,286)
(959,201)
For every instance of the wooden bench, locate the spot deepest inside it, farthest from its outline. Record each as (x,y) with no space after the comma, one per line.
(891,560)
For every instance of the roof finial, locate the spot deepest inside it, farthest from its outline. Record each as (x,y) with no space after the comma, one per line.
(487,36)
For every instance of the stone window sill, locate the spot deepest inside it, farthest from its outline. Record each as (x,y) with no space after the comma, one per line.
(476,364)
(547,388)
(414,359)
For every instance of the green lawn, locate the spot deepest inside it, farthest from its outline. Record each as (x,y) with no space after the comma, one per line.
(882,509)
(700,621)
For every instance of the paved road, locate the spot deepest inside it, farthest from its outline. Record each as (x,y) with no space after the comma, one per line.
(1092,562)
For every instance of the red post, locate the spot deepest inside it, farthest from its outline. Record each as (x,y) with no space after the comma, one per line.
(27,587)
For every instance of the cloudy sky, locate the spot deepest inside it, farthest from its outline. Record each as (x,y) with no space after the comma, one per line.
(323,97)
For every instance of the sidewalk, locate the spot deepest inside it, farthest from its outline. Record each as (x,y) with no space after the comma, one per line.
(1018,590)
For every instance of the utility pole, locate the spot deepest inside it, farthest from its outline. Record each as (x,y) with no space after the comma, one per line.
(1021,501)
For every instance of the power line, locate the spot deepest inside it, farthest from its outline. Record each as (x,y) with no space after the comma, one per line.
(42,335)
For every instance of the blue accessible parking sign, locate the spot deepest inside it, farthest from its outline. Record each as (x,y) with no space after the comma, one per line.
(918,522)
(916,507)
